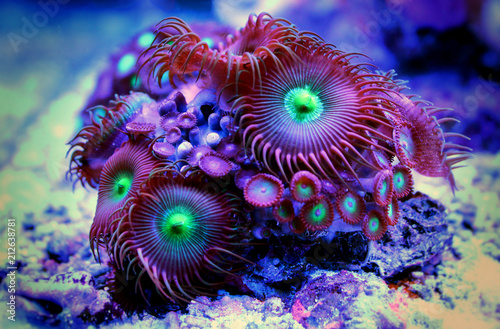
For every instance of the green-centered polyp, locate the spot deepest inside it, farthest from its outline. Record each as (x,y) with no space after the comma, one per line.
(121,175)
(381,159)
(305,186)
(311,115)
(350,206)
(317,214)
(402,181)
(303,105)
(178,224)
(283,212)
(399,180)
(392,212)
(177,231)
(406,148)
(96,142)
(383,187)
(374,225)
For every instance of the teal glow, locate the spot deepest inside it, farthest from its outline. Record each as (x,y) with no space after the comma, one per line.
(303,105)
(210,42)
(146,40)
(389,210)
(98,113)
(305,190)
(374,224)
(383,187)
(135,81)
(382,159)
(126,63)
(350,205)
(164,79)
(318,213)
(399,180)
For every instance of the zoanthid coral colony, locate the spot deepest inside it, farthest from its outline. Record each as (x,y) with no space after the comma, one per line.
(271,125)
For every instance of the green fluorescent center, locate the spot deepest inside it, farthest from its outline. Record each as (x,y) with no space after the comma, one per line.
(303,105)
(399,180)
(135,81)
(122,186)
(389,211)
(318,213)
(350,205)
(178,225)
(374,224)
(305,190)
(383,188)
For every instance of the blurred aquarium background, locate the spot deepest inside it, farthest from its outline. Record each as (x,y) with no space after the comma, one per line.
(52,52)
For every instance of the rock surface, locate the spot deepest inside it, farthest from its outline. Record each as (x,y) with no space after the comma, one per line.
(416,242)
(64,299)
(345,300)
